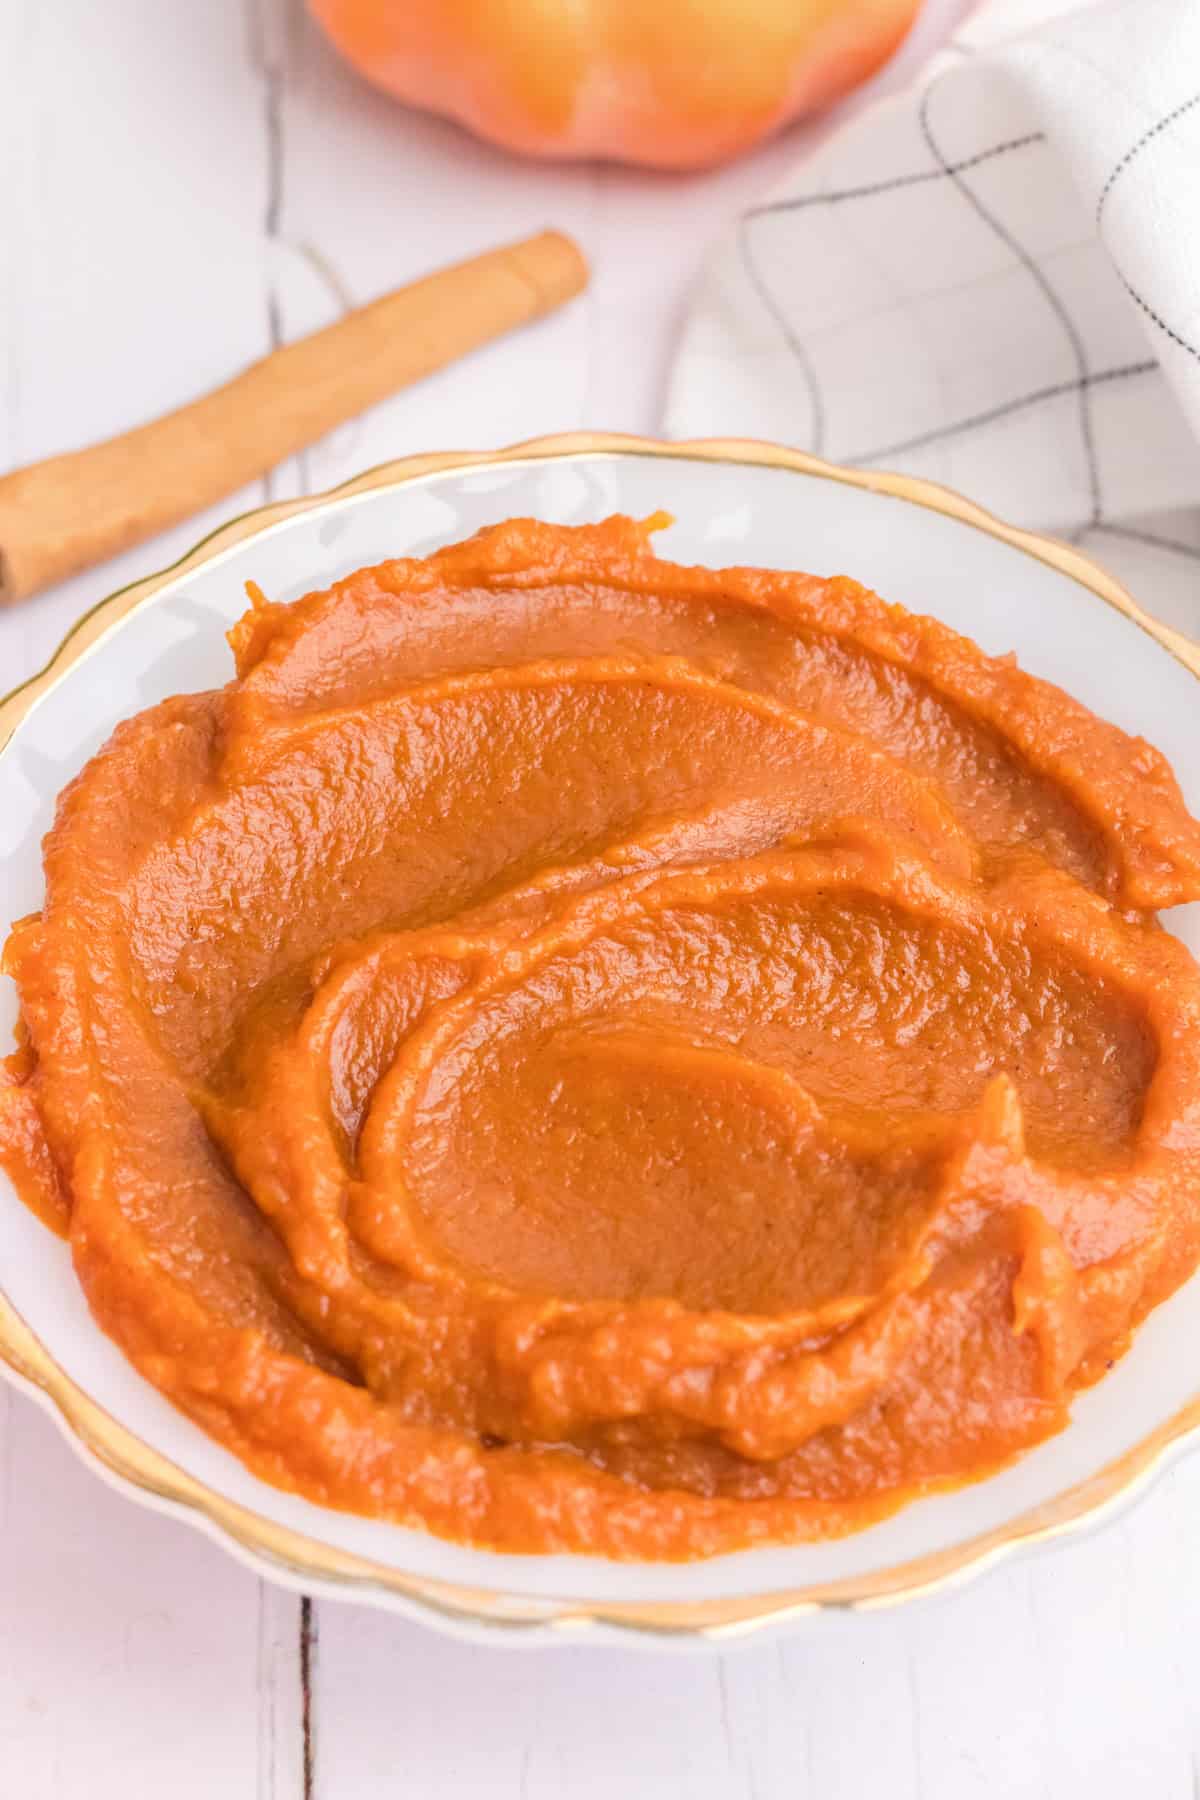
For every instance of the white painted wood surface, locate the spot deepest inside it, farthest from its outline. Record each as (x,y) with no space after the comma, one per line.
(180,186)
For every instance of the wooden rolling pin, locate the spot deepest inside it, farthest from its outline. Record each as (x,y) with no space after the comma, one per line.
(64,514)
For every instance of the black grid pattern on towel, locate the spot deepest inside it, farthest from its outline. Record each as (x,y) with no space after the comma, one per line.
(1155,539)
(1083,375)
(1131,155)
(946,171)
(816,400)
(1080,383)
(915,178)
(1053,392)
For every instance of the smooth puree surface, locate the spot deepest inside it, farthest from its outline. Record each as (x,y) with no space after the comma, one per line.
(580,1053)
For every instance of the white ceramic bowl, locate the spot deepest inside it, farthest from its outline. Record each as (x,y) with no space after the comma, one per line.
(733,502)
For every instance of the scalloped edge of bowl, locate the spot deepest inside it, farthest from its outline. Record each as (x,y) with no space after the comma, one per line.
(302,1562)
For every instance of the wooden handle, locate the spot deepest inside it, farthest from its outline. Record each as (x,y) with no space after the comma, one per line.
(62,515)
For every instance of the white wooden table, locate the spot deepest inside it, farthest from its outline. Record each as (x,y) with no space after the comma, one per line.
(181,186)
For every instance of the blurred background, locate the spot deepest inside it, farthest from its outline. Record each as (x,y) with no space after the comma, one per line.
(185,188)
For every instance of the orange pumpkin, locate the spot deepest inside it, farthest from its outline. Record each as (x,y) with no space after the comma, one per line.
(671,83)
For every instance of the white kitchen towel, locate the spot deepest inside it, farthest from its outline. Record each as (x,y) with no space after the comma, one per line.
(991,279)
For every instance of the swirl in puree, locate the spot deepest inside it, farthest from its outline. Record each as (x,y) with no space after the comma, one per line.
(579,1053)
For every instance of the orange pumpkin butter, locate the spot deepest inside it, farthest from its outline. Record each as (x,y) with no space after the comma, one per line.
(673,84)
(575,1052)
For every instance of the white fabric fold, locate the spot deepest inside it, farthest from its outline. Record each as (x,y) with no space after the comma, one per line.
(991,279)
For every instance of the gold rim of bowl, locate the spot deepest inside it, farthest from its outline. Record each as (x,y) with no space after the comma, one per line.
(303,1560)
